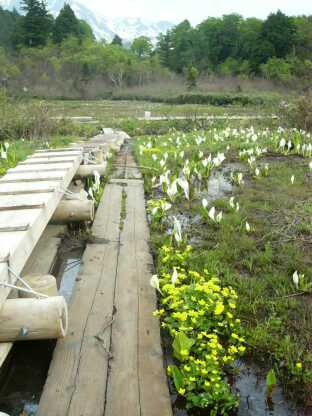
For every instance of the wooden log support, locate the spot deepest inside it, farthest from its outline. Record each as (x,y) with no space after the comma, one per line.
(33,319)
(45,284)
(74,211)
(87,170)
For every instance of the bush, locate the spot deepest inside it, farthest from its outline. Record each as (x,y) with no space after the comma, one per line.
(298,114)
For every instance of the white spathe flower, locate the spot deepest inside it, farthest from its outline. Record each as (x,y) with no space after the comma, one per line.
(248,228)
(219,217)
(296,279)
(3,154)
(172,190)
(154,157)
(292,179)
(162,163)
(90,192)
(155,283)
(6,145)
(183,183)
(174,276)
(200,154)
(232,205)
(212,213)
(204,203)
(177,230)
(282,143)
(310,165)
(237,207)
(257,172)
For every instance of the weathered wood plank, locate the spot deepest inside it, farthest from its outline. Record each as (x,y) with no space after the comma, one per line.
(19,245)
(136,343)
(77,377)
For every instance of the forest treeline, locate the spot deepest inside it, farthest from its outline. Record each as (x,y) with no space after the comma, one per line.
(61,57)
(278,48)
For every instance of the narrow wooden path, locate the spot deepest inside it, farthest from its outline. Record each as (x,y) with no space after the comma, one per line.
(111,362)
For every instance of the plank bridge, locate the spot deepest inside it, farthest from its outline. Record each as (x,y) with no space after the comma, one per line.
(110,363)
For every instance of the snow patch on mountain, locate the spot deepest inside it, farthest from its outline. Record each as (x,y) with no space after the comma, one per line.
(104,27)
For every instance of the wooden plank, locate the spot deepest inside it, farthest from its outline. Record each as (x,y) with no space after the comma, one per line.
(19,245)
(136,345)
(41,261)
(20,200)
(48,155)
(48,161)
(40,167)
(33,187)
(77,377)
(33,177)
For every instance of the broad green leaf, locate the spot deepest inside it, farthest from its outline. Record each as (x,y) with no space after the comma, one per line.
(271,379)
(177,376)
(182,346)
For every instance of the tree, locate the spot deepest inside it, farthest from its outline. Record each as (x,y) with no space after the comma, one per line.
(142,47)
(280,31)
(66,24)
(85,30)
(8,22)
(117,40)
(191,77)
(36,26)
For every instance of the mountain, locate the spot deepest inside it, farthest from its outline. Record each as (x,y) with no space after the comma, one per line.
(104,27)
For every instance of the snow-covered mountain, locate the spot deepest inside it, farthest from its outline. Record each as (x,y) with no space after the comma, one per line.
(104,27)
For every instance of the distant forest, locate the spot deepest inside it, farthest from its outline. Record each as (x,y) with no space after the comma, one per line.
(61,57)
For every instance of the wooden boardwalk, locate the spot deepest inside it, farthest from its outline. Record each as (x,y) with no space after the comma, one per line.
(29,195)
(111,362)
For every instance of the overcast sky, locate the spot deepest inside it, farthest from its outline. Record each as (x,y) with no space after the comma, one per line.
(196,10)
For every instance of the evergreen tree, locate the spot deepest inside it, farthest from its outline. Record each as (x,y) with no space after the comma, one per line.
(36,25)
(117,40)
(66,24)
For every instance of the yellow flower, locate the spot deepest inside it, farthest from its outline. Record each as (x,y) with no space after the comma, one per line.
(299,366)
(181,391)
(219,308)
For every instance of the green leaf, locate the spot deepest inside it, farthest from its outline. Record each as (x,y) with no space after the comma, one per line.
(177,376)
(271,379)
(182,346)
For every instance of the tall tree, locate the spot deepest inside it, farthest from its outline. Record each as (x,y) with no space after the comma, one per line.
(66,24)
(117,40)
(142,46)
(280,31)
(36,25)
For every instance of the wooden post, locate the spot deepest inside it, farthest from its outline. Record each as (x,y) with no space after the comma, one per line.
(73,210)
(88,170)
(33,319)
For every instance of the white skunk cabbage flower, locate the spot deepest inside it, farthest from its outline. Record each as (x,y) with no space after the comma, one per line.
(248,228)
(174,276)
(155,283)
(296,279)
(212,213)
(204,203)
(219,217)
(177,230)
(183,183)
